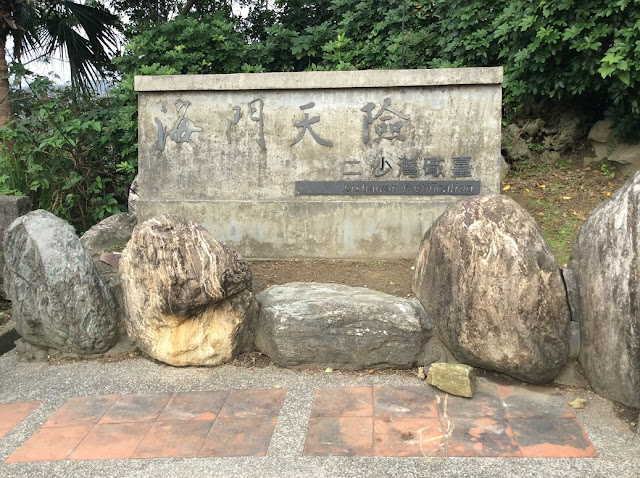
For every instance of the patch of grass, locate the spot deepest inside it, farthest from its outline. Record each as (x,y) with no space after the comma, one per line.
(116,247)
(560,196)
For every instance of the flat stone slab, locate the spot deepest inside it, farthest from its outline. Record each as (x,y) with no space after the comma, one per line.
(333,325)
(423,422)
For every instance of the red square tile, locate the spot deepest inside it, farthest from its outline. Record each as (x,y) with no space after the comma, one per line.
(400,436)
(111,441)
(253,403)
(484,403)
(481,437)
(551,438)
(343,402)
(239,437)
(194,406)
(404,402)
(13,413)
(339,436)
(137,408)
(49,444)
(533,402)
(81,411)
(179,439)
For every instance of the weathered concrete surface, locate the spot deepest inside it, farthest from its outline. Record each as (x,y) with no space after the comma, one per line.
(333,325)
(487,278)
(188,298)
(226,151)
(11,208)
(606,262)
(58,299)
(454,378)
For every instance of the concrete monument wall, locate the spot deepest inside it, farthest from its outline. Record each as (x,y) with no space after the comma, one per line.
(318,164)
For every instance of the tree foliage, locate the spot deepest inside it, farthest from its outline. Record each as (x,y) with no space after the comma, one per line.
(75,156)
(62,153)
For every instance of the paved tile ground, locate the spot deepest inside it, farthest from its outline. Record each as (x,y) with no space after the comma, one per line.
(161,425)
(389,421)
(13,413)
(500,421)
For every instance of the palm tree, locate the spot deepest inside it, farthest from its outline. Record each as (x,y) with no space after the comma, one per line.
(87,34)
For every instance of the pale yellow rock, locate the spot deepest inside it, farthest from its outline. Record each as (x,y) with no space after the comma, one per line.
(456,379)
(578,403)
(188,298)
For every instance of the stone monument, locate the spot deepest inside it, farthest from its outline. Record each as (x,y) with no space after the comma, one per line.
(353,164)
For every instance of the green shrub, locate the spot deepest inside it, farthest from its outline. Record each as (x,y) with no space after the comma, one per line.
(60,152)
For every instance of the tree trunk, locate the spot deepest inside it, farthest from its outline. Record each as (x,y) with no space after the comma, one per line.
(6,114)
(187,7)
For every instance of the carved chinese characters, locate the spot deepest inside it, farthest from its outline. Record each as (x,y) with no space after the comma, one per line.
(377,137)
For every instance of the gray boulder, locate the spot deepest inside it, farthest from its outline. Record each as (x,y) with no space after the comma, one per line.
(188,298)
(487,278)
(59,301)
(333,325)
(606,262)
(112,231)
(11,208)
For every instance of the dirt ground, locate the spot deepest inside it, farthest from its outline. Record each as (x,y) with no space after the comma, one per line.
(391,277)
(559,196)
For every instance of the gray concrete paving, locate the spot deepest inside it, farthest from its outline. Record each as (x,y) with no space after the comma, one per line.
(55,383)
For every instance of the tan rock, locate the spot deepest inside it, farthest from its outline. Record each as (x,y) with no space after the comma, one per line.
(454,378)
(188,298)
(487,278)
(601,132)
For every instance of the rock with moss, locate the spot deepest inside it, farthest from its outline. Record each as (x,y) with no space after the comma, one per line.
(454,378)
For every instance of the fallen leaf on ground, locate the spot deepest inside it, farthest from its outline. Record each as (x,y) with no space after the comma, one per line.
(507,187)
(566,197)
(328,370)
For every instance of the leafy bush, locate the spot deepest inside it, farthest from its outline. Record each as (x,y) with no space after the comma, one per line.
(60,152)
(186,45)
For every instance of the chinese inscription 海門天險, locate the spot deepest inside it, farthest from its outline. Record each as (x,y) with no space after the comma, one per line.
(237,114)
(306,123)
(384,128)
(182,128)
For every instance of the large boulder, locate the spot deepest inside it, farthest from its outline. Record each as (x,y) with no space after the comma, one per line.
(188,298)
(333,325)
(605,260)
(487,278)
(58,299)
(11,208)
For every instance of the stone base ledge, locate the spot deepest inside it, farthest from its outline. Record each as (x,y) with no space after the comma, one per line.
(366,229)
